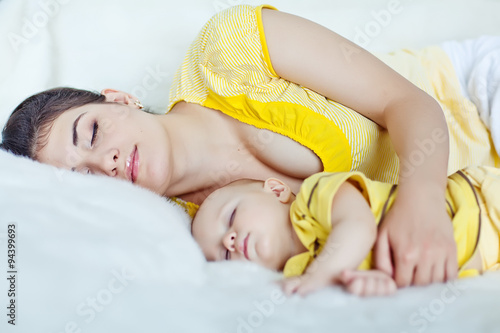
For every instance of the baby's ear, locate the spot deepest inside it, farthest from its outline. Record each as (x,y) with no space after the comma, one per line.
(278,188)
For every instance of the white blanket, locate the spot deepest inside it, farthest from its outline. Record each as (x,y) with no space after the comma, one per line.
(95,254)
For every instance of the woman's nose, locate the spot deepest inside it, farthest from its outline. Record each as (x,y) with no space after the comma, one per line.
(229,240)
(108,163)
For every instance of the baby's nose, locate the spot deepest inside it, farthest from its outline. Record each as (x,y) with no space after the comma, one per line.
(229,240)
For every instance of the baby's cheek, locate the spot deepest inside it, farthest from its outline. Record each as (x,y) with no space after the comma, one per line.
(267,254)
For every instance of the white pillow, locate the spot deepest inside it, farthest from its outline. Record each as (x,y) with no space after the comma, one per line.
(80,236)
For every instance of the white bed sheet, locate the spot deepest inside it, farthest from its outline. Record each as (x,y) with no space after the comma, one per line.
(100,255)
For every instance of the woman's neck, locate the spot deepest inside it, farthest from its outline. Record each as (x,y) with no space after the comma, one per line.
(198,141)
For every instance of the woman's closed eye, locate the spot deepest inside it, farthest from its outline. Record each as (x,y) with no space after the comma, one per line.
(231,220)
(95,131)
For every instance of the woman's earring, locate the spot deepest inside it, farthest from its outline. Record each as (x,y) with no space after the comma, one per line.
(138,104)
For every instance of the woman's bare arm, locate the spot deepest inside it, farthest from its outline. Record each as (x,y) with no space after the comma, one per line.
(418,230)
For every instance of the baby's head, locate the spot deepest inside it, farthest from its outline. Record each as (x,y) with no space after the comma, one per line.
(247,220)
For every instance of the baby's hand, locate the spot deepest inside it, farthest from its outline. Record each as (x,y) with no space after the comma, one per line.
(312,280)
(368,283)
(303,284)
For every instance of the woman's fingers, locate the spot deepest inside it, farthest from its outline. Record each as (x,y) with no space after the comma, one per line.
(451,272)
(383,259)
(420,236)
(405,264)
(424,272)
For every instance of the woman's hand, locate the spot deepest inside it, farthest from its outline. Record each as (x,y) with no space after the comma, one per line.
(418,232)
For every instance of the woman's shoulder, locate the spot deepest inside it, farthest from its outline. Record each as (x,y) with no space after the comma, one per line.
(237,15)
(232,26)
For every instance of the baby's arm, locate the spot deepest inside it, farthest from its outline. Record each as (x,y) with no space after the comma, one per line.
(352,237)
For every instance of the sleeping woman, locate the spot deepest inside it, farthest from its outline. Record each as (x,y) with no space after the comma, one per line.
(261,94)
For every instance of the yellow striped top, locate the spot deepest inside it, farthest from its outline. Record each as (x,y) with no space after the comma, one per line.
(310,215)
(228,68)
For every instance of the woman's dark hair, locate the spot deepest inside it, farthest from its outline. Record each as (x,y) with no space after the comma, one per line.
(28,127)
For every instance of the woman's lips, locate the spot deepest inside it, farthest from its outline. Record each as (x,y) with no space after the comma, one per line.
(132,166)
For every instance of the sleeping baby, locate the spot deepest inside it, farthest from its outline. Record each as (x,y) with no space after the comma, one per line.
(325,234)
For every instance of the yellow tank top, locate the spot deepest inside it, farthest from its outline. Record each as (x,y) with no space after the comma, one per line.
(228,68)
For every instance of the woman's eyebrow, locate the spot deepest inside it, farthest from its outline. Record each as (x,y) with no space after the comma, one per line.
(75,123)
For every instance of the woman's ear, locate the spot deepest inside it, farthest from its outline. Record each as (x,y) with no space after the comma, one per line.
(118,96)
(278,188)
